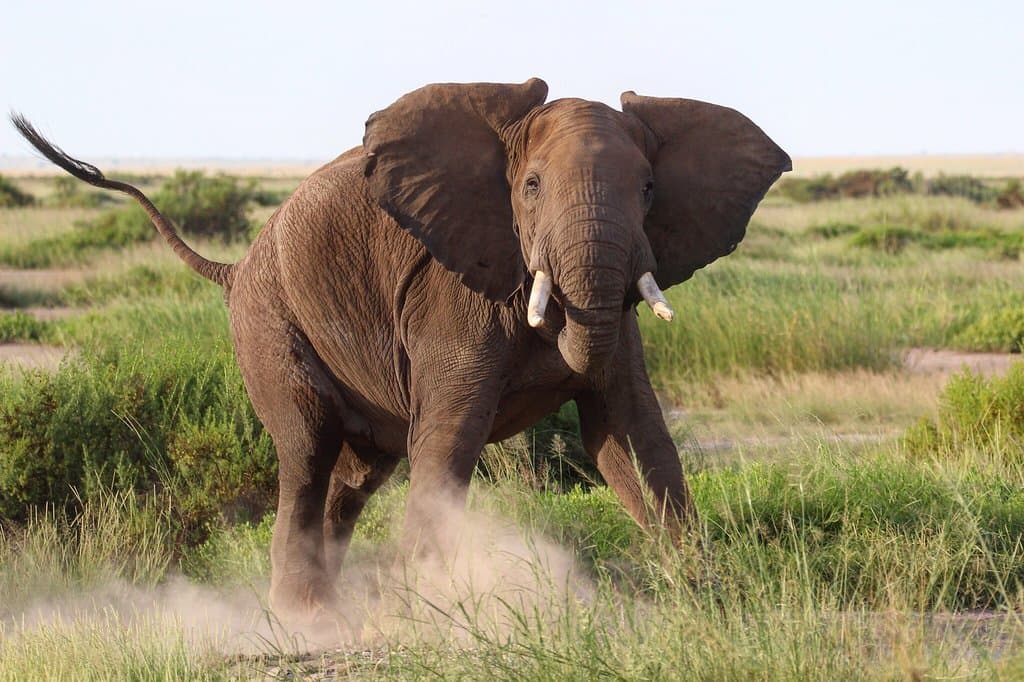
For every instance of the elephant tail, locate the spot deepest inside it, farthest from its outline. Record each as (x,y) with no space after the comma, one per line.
(221,273)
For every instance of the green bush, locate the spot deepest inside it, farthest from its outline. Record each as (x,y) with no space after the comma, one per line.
(807,190)
(269,197)
(888,182)
(11,196)
(1011,196)
(853,184)
(975,412)
(206,206)
(873,183)
(833,229)
(965,186)
(893,239)
(70,192)
(200,206)
(999,331)
(154,399)
(20,326)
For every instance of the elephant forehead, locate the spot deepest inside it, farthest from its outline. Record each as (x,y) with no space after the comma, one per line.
(579,121)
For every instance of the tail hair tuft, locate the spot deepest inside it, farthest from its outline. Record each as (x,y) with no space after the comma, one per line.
(80,169)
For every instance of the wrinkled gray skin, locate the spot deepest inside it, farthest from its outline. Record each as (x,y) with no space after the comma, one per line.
(381,312)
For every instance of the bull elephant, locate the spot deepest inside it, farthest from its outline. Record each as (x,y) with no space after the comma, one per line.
(475,264)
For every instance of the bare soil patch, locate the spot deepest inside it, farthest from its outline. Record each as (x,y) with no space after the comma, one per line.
(44,314)
(31,355)
(49,280)
(929,361)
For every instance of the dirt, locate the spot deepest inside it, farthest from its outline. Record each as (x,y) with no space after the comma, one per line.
(929,361)
(47,280)
(31,355)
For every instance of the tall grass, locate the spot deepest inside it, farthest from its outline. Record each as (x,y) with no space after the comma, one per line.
(153,397)
(738,316)
(832,565)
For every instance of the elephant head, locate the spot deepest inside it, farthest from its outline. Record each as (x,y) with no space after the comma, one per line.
(593,203)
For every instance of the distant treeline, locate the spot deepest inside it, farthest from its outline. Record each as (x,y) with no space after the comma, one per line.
(896,180)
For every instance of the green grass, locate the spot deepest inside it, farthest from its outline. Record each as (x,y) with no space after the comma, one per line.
(13,196)
(201,206)
(815,560)
(154,396)
(135,480)
(19,326)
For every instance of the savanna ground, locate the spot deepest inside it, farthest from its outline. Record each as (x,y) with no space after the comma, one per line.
(860,490)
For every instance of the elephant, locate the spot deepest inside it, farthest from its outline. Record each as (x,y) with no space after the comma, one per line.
(476,263)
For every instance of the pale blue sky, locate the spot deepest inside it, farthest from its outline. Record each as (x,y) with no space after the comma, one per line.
(296,80)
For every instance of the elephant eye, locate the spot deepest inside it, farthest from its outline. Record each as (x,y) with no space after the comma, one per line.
(531,186)
(648,192)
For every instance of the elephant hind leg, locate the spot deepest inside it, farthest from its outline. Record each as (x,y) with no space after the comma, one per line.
(296,400)
(358,473)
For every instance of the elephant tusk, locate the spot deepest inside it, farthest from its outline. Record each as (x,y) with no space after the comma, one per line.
(539,295)
(652,294)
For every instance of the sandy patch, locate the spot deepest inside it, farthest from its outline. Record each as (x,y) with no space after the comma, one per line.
(31,355)
(50,314)
(928,361)
(41,280)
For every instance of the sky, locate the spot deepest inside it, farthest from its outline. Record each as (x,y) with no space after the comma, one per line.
(295,80)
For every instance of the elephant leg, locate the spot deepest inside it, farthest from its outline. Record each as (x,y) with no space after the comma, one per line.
(446,436)
(296,401)
(624,419)
(358,473)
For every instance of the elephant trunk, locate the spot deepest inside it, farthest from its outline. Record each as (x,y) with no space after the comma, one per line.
(591,273)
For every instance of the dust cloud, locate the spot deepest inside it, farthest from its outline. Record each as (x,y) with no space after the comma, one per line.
(491,580)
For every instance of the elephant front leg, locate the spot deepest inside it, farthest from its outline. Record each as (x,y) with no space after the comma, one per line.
(622,420)
(651,487)
(449,429)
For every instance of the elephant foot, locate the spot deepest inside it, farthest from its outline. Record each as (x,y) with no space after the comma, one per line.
(313,608)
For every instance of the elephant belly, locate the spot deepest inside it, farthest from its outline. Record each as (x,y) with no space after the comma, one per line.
(522,410)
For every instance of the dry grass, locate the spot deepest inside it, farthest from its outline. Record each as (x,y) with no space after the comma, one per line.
(901,209)
(765,418)
(22,225)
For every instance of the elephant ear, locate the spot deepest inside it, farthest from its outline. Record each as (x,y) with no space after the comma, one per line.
(711,168)
(436,164)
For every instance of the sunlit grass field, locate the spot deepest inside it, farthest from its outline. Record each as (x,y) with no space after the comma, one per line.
(861,518)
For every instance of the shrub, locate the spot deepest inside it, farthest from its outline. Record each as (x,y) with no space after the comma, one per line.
(1000,331)
(206,206)
(893,239)
(806,190)
(70,192)
(853,184)
(965,186)
(832,230)
(269,197)
(20,326)
(157,404)
(873,183)
(11,196)
(198,205)
(975,412)
(888,238)
(1011,196)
